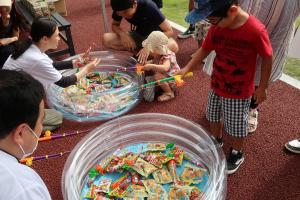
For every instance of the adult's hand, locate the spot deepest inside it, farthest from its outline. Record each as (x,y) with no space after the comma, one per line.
(92,65)
(127,41)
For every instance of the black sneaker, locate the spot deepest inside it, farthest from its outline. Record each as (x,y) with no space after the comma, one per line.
(218,141)
(234,161)
(188,33)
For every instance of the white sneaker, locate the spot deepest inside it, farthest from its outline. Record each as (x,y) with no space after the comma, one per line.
(252,120)
(293,146)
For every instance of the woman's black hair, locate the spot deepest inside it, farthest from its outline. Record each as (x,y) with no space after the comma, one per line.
(41,26)
(20,98)
(222,12)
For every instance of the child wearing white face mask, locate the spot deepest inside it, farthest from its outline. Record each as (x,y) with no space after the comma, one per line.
(35,146)
(21,115)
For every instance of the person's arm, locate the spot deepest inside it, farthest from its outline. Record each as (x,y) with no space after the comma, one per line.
(66,81)
(166,28)
(60,65)
(260,93)
(125,37)
(13,38)
(264,49)
(164,67)
(116,28)
(87,68)
(198,57)
(7,41)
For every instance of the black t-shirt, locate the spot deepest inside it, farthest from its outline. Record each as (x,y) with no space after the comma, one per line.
(159,3)
(146,19)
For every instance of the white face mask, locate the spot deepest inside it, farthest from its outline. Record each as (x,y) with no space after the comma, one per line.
(25,155)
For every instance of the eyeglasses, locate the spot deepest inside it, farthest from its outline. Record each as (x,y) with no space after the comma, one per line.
(214,20)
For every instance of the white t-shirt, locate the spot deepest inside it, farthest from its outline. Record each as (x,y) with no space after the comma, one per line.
(37,64)
(20,182)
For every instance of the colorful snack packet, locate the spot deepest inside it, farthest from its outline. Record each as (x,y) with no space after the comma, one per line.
(155,191)
(156,158)
(120,186)
(130,158)
(177,154)
(92,192)
(135,178)
(192,173)
(102,166)
(156,147)
(172,169)
(143,168)
(136,191)
(104,185)
(162,176)
(196,194)
(178,192)
(119,181)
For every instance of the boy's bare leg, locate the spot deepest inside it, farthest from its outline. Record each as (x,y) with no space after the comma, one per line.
(237,143)
(216,129)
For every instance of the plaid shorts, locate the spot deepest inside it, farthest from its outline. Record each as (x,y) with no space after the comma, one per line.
(233,112)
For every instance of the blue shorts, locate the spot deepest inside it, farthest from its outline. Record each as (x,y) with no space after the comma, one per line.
(233,112)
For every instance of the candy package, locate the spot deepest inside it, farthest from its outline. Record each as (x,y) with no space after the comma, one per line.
(136,191)
(195,194)
(177,154)
(156,147)
(177,192)
(104,185)
(143,168)
(192,173)
(162,176)
(92,192)
(155,191)
(156,158)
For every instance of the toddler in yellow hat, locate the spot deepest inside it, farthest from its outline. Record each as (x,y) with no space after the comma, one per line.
(164,62)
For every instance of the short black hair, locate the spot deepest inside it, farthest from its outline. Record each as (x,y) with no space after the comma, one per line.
(20,98)
(222,12)
(119,5)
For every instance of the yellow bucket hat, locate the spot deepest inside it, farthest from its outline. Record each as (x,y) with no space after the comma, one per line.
(158,41)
